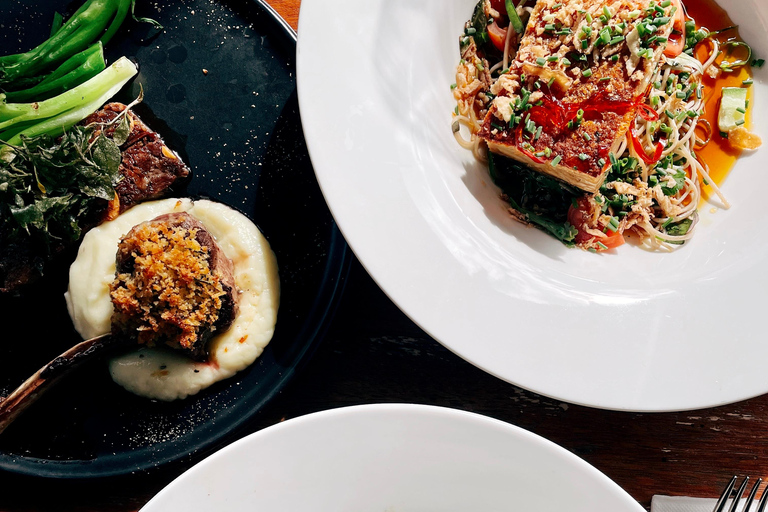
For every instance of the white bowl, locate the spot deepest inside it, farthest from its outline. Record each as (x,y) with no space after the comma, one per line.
(393,458)
(632,330)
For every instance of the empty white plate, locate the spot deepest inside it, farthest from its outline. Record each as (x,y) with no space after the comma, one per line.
(393,458)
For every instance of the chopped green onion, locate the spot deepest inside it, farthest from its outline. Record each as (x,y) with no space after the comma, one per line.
(540,61)
(586,73)
(514,19)
(556,160)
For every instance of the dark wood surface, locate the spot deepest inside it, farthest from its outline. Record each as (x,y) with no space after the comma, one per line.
(374,353)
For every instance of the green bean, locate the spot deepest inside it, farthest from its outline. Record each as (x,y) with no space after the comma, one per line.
(72,73)
(122,12)
(73,37)
(58,21)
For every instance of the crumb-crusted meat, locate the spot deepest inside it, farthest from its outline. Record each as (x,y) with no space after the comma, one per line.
(173,284)
(576,84)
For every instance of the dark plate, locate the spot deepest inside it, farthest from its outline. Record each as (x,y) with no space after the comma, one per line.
(238,128)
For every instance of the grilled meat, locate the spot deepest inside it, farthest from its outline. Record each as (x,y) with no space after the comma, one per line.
(173,284)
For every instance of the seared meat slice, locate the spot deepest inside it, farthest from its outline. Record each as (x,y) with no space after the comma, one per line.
(148,169)
(173,285)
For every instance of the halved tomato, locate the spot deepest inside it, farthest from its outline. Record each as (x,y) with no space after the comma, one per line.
(578,217)
(676,43)
(498,35)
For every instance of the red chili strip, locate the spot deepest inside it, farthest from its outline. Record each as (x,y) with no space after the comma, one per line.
(647,113)
(640,150)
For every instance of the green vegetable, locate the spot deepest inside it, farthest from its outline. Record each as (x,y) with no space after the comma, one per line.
(678,229)
(730,47)
(514,19)
(55,115)
(479,22)
(95,20)
(49,188)
(733,99)
(71,73)
(58,21)
(543,200)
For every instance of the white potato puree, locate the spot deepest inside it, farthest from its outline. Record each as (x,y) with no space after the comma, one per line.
(161,373)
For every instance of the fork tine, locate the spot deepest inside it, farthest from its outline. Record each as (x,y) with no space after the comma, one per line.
(720,505)
(752,494)
(739,494)
(763,502)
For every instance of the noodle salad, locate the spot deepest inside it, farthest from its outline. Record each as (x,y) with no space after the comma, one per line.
(620,159)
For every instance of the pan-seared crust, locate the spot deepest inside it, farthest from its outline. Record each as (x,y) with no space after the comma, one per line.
(581,180)
(575,85)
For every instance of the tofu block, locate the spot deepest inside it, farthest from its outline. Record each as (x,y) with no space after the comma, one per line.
(580,74)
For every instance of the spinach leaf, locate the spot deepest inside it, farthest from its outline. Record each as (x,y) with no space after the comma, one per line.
(544,201)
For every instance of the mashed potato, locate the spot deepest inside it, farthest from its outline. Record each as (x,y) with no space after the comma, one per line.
(160,373)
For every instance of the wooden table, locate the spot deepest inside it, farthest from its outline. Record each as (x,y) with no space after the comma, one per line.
(374,353)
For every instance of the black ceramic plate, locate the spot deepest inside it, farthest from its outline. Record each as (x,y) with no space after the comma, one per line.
(238,128)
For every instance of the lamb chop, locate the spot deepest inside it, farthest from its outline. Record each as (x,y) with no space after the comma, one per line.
(173,285)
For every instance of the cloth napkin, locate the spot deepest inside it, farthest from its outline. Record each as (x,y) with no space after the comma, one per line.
(685,504)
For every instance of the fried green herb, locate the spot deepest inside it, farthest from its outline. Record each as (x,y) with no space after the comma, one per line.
(49,189)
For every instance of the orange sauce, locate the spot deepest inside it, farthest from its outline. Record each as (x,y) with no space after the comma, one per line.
(718,154)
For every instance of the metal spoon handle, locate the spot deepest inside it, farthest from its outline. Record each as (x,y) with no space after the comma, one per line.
(34,387)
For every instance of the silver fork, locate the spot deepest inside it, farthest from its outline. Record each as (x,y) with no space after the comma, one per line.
(720,506)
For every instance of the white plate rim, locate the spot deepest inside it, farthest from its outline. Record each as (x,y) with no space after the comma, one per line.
(393,413)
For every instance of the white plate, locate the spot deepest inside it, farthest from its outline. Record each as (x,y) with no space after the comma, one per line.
(630,331)
(393,458)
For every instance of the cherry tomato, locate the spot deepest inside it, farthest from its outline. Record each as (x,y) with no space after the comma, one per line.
(498,35)
(676,42)
(578,217)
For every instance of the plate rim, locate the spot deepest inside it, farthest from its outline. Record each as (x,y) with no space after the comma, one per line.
(413,411)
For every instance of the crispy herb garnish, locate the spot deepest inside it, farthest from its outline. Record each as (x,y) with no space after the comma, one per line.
(49,187)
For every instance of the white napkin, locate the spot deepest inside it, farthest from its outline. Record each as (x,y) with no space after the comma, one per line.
(686,504)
